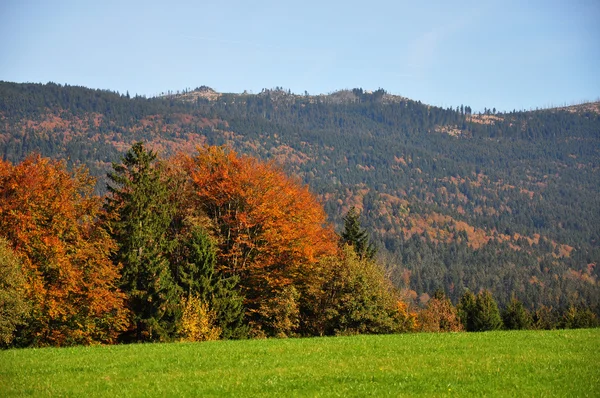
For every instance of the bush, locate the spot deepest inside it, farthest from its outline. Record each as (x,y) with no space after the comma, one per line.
(198,322)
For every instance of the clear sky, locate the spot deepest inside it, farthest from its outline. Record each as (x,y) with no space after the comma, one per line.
(499,53)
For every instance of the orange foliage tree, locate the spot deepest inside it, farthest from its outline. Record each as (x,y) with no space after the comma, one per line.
(49,217)
(272,231)
(439,315)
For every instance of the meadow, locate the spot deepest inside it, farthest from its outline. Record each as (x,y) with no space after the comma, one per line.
(517,363)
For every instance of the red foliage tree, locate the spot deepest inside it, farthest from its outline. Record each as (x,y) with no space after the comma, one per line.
(49,216)
(272,229)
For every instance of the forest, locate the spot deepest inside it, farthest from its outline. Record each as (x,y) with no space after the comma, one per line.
(204,247)
(454,201)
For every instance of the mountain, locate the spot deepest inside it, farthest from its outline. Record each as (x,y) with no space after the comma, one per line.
(454,199)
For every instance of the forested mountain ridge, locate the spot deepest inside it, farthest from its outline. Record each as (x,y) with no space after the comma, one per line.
(454,199)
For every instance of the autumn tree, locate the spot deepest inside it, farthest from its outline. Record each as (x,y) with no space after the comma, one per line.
(407,320)
(13,304)
(271,230)
(439,315)
(140,209)
(49,216)
(355,236)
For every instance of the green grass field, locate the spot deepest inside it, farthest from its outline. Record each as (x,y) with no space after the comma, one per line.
(556,363)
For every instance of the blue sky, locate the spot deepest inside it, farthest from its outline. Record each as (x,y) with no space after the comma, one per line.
(502,54)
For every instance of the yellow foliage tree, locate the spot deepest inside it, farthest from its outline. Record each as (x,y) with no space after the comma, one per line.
(198,322)
(407,320)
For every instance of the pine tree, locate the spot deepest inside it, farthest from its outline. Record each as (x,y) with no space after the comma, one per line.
(466,310)
(357,237)
(544,318)
(228,304)
(487,315)
(578,318)
(195,272)
(197,277)
(516,317)
(139,213)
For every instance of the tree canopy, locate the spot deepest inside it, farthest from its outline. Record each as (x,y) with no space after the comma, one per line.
(49,216)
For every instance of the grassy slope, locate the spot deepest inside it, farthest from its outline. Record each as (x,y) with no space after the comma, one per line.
(556,363)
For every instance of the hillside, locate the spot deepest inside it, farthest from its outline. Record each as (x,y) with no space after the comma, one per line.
(455,200)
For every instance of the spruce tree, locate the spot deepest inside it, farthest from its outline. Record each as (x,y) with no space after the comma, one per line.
(516,317)
(466,310)
(545,318)
(356,236)
(196,276)
(487,315)
(139,213)
(195,272)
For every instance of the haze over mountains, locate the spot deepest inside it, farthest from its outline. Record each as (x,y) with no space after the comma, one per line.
(454,199)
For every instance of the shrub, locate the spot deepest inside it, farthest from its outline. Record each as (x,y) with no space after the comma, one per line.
(198,322)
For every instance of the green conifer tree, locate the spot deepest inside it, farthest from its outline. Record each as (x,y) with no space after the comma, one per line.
(516,317)
(487,315)
(196,275)
(578,318)
(356,236)
(466,310)
(195,272)
(139,213)
(544,318)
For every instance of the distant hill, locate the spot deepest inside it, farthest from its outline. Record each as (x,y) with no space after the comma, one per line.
(454,199)
(581,109)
